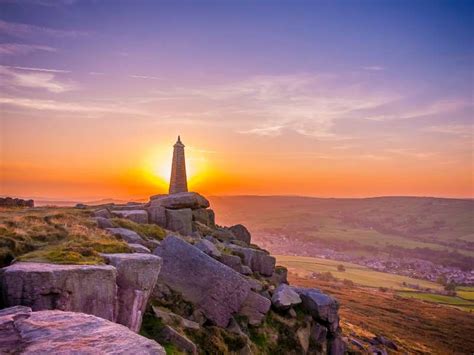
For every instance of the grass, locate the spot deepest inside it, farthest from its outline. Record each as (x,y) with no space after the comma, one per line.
(465,292)
(440,299)
(358,274)
(145,230)
(56,235)
(416,327)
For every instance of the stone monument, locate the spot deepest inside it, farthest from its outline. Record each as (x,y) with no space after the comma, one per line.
(178,181)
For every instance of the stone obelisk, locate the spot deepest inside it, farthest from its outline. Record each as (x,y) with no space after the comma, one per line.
(178,181)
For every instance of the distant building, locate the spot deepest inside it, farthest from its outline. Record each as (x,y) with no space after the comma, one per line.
(178,181)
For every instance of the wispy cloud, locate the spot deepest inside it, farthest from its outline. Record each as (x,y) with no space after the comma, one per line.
(146,77)
(23,30)
(463,130)
(21,49)
(47,70)
(374,68)
(35,80)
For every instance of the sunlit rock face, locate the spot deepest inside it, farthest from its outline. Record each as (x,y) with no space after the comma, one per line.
(58,332)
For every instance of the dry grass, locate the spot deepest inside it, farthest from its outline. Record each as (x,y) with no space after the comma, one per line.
(152,231)
(57,235)
(417,327)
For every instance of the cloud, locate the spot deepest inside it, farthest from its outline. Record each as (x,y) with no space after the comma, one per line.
(47,70)
(21,49)
(462,130)
(92,108)
(144,77)
(24,30)
(374,68)
(35,80)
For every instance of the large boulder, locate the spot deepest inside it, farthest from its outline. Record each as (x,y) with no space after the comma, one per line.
(127,235)
(103,223)
(235,262)
(180,221)
(211,286)
(208,247)
(258,260)
(157,215)
(204,216)
(64,287)
(284,297)
(56,332)
(103,212)
(136,278)
(180,200)
(321,306)
(255,307)
(241,233)
(137,216)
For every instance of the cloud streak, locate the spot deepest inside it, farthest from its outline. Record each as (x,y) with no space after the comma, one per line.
(7,49)
(23,30)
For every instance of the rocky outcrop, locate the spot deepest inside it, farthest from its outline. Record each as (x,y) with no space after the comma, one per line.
(180,221)
(208,247)
(137,216)
(255,307)
(103,213)
(15,202)
(127,235)
(241,233)
(65,287)
(180,200)
(258,260)
(169,335)
(284,297)
(321,306)
(136,278)
(56,332)
(157,215)
(212,287)
(103,223)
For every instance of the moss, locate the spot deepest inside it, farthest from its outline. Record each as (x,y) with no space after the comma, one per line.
(57,235)
(215,340)
(145,230)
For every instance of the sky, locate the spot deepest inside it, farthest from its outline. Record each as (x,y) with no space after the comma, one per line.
(318,98)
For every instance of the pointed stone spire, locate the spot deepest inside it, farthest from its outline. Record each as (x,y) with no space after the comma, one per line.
(178,181)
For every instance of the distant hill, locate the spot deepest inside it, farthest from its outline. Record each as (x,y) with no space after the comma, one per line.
(438,227)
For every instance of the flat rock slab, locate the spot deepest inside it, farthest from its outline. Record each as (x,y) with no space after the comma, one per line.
(136,278)
(74,288)
(180,200)
(57,332)
(137,216)
(284,297)
(127,235)
(210,285)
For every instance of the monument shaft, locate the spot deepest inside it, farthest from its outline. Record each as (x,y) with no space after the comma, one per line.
(178,181)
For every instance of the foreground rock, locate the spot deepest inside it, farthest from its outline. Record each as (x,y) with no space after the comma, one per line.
(127,235)
(137,276)
(56,332)
(137,216)
(241,233)
(215,289)
(180,221)
(321,306)
(284,297)
(74,288)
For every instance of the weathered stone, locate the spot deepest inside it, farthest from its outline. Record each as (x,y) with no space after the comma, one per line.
(65,287)
(201,215)
(336,346)
(284,297)
(318,333)
(170,335)
(103,223)
(208,248)
(180,221)
(137,216)
(241,233)
(138,248)
(303,335)
(57,332)
(136,278)
(181,200)
(223,234)
(258,260)
(157,215)
(321,306)
(255,307)
(172,318)
(234,262)
(127,235)
(255,285)
(103,212)
(213,287)
(279,276)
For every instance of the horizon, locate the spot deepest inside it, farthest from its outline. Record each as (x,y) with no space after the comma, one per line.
(315,99)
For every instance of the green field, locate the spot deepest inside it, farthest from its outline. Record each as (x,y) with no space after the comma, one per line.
(441,299)
(465,292)
(358,274)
